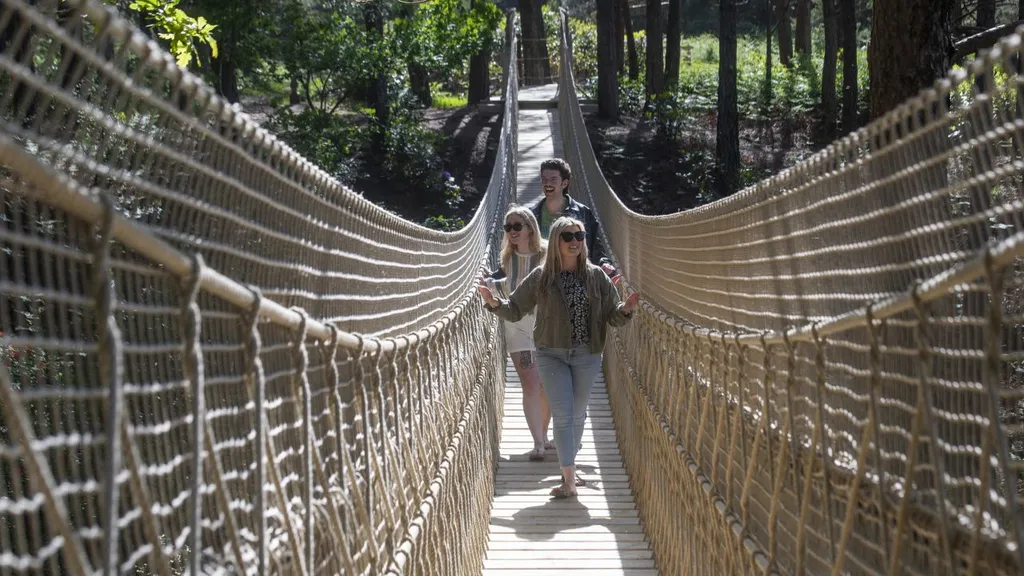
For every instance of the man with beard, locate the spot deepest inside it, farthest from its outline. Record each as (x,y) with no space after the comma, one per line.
(555,175)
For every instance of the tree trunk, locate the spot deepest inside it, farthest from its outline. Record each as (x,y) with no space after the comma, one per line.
(607,68)
(627,23)
(655,64)
(227,77)
(419,83)
(536,65)
(829,104)
(803,27)
(672,44)
(766,88)
(479,76)
(911,47)
(727,147)
(374,14)
(620,39)
(69,60)
(848,24)
(785,27)
(293,91)
(986,14)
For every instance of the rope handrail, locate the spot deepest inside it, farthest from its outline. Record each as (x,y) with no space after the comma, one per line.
(803,430)
(251,369)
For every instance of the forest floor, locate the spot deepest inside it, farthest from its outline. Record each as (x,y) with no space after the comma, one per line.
(472,146)
(653,173)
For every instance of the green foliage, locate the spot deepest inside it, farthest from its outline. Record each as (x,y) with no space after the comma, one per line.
(180,30)
(444,223)
(330,53)
(324,138)
(444,100)
(442,35)
(796,90)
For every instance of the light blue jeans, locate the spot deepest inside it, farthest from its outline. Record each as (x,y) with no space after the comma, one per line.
(568,376)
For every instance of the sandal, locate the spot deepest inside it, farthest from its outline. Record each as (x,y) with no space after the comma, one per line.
(537,455)
(559,493)
(579,480)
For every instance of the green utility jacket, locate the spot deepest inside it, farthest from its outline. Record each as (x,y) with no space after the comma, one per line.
(552,328)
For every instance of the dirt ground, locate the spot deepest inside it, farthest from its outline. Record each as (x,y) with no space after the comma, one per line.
(658,174)
(471,151)
(652,173)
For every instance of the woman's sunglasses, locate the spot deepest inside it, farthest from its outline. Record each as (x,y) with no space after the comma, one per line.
(578,235)
(517,227)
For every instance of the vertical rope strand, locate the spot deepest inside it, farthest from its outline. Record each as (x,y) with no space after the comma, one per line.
(302,393)
(823,436)
(257,388)
(993,371)
(192,359)
(935,450)
(111,361)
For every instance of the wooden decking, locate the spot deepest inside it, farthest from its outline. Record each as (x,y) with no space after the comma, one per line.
(540,138)
(598,534)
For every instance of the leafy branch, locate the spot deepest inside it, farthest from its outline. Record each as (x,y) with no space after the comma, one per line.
(178,28)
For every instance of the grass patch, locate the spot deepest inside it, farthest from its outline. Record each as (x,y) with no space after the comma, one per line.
(448,101)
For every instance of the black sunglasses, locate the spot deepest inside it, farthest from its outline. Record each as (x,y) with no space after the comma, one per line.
(569,236)
(517,227)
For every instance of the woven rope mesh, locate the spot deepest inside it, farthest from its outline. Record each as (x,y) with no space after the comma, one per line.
(181,387)
(826,374)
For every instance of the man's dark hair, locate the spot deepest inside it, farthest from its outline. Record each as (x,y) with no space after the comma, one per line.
(557,164)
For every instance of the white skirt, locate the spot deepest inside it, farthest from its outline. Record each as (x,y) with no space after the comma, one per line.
(519,335)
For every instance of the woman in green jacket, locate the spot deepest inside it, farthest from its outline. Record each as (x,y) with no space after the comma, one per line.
(575,302)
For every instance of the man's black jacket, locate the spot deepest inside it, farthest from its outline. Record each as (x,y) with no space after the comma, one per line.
(583,213)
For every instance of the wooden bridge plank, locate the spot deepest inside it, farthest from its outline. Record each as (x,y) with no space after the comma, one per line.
(597,533)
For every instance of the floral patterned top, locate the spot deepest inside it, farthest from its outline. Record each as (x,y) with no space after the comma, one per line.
(575,293)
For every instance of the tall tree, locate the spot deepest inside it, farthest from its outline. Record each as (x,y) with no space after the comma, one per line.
(769,28)
(627,22)
(986,17)
(620,39)
(479,75)
(848,24)
(727,147)
(607,69)
(672,43)
(803,27)
(373,13)
(536,63)
(655,64)
(829,102)
(911,47)
(785,28)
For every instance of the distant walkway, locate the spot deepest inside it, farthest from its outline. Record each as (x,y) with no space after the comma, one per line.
(539,138)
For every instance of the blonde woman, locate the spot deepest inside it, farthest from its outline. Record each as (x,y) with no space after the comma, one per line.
(522,250)
(575,302)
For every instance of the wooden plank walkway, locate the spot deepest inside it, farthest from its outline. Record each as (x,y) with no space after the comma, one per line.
(598,534)
(540,138)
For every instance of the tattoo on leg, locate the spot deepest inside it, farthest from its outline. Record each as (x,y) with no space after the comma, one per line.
(526,359)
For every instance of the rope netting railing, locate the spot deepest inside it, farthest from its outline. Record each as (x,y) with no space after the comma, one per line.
(826,375)
(216,358)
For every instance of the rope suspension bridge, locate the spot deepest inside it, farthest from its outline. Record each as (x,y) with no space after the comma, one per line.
(218,359)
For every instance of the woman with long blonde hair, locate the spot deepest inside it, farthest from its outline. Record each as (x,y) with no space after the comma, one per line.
(522,250)
(575,302)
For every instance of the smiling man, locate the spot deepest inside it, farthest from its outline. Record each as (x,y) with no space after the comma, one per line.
(555,175)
